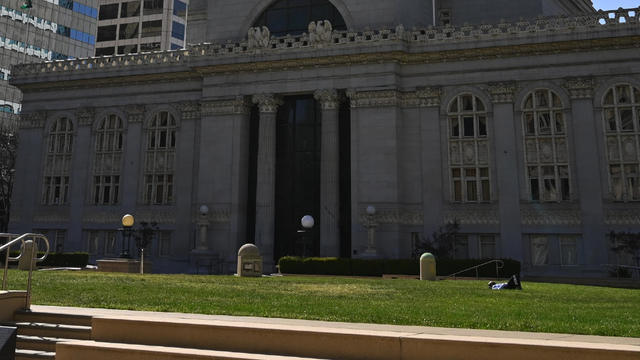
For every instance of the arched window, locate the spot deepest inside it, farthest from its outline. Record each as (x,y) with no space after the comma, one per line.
(545,147)
(293,16)
(107,161)
(160,160)
(469,150)
(621,114)
(55,187)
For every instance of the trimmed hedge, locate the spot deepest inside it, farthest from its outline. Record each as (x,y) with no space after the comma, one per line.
(377,267)
(75,259)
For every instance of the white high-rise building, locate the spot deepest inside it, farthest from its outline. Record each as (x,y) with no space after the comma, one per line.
(129,27)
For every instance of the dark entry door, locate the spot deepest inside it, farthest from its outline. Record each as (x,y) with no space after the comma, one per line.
(297,176)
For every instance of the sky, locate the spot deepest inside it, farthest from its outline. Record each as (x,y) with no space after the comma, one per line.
(614,4)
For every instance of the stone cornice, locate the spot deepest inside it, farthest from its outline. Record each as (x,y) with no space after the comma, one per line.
(580,88)
(35,82)
(238,105)
(373,98)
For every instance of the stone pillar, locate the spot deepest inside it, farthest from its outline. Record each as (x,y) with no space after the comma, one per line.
(131,166)
(506,158)
(329,180)
(29,165)
(222,180)
(266,177)
(432,191)
(588,179)
(80,177)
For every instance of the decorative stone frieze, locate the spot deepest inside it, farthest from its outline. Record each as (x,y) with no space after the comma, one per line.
(85,116)
(190,110)
(393,216)
(238,105)
(502,92)
(622,215)
(429,96)
(580,88)
(550,214)
(161,216)
(54,214)
(476,214)
(379,98)
(33,120)
(328,98)
(135,113)
(267,103)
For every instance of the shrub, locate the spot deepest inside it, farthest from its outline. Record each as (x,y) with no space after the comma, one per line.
(377,267)
(75,259)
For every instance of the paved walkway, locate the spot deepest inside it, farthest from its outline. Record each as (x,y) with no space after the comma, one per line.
(489,334)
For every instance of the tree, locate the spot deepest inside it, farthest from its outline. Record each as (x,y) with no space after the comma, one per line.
(441,243)
(8,146)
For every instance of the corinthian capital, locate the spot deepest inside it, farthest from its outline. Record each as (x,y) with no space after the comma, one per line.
(328,98)
(268,103)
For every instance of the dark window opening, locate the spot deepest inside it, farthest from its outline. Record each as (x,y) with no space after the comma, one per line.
(107,33)
(108,12)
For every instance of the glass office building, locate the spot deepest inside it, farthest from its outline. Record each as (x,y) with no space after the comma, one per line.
(49,30)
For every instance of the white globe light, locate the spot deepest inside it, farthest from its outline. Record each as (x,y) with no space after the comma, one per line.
(371,210)
(204,209)
(307,221)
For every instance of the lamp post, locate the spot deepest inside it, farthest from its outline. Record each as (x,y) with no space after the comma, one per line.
(127,225)
(371,225)
(203,223)
(307,223)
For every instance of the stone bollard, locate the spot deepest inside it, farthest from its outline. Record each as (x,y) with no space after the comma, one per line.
(29,250)
(427,267)
(249,261)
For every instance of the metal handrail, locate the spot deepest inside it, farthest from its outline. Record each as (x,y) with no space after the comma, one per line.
(14,239)
(619,266)
(499,265)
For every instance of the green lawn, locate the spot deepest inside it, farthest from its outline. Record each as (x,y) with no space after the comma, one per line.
(462,304)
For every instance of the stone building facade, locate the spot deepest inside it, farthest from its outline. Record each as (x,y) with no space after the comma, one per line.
(526,133)
(51,30)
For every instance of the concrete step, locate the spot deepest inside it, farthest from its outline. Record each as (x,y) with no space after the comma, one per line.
(116,351)
(342,343)
(39,343)
(52,318)
(22,354)
(54,330)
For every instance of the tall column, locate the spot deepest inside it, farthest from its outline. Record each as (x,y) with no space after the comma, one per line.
(506,158)
(131,168)
(266,177)
(588,173)
(329,165)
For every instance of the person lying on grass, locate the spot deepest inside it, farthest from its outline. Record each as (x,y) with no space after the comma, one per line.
(512,284)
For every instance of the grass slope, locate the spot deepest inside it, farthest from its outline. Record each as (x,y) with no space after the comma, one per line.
(458,304)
